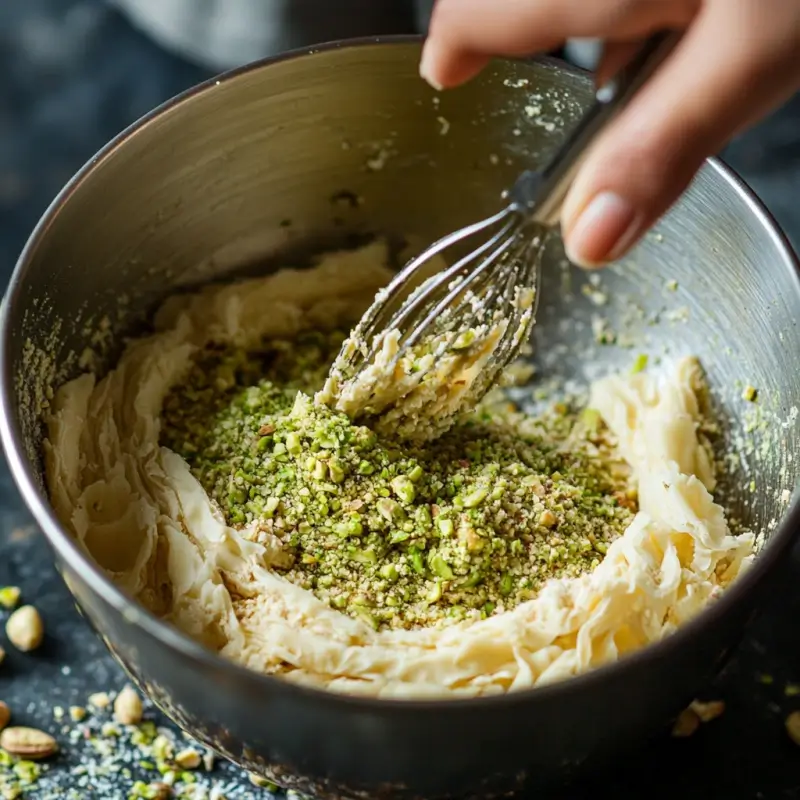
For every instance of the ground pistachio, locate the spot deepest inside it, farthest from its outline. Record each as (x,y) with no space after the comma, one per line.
(188,758)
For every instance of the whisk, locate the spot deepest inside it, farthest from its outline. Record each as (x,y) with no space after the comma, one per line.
(482,306)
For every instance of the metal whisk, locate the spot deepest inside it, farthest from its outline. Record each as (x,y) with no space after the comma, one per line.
(492,291)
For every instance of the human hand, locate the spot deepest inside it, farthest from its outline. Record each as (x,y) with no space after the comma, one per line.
(736,60)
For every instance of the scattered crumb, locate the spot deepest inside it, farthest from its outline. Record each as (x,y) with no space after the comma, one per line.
(639,364)
(686,724)
(793,726)
(707,711)
(100,700)
(9,597)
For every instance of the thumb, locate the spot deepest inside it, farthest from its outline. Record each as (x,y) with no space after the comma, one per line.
(728,70)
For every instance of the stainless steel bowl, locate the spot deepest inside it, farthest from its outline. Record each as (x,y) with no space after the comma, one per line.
(318,147)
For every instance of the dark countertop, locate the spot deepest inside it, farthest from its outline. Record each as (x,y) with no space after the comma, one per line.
(74,74)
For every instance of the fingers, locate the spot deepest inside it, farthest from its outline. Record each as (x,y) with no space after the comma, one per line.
(464,34)
(735,63)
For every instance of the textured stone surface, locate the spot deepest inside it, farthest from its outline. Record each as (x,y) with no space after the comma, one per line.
(73,74)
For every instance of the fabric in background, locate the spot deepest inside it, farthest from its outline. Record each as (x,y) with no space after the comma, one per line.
(222,34)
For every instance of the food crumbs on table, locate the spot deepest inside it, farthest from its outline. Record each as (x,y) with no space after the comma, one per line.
(792,724)
(100,700)
(9,597)
(708,710)
(101,757)
(686,724)
(639,364)
(25,629)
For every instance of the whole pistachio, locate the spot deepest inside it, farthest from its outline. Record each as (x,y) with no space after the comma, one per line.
(28,743)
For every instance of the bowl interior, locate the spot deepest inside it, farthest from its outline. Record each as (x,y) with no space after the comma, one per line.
(270,164)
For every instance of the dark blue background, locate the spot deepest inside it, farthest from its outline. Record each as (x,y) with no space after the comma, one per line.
(72,74)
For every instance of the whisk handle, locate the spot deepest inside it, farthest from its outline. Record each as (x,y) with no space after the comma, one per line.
(542,193)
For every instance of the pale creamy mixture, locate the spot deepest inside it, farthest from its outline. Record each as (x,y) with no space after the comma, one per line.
(140,512)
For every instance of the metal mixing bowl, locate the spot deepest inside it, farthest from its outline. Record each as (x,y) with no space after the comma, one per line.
(309,149)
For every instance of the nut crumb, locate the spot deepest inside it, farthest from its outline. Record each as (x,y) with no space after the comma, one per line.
(686,724)
(100,700)
(793,726)
(188,758)
(128,707)
(9,597)
(708,711)
(25,629)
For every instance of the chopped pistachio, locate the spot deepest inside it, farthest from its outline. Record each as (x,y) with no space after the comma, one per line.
(639,364)
(686,724)
(100,700)
(749,393)
(9,597)
(708,711)
(384,530)
(188,758)
(547,518)
(464,340)
(403,487)
(445,527)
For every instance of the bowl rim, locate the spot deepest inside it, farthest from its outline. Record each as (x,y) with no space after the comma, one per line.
(100,584)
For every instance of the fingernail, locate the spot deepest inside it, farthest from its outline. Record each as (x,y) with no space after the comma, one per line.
(427,63)
(605,227)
